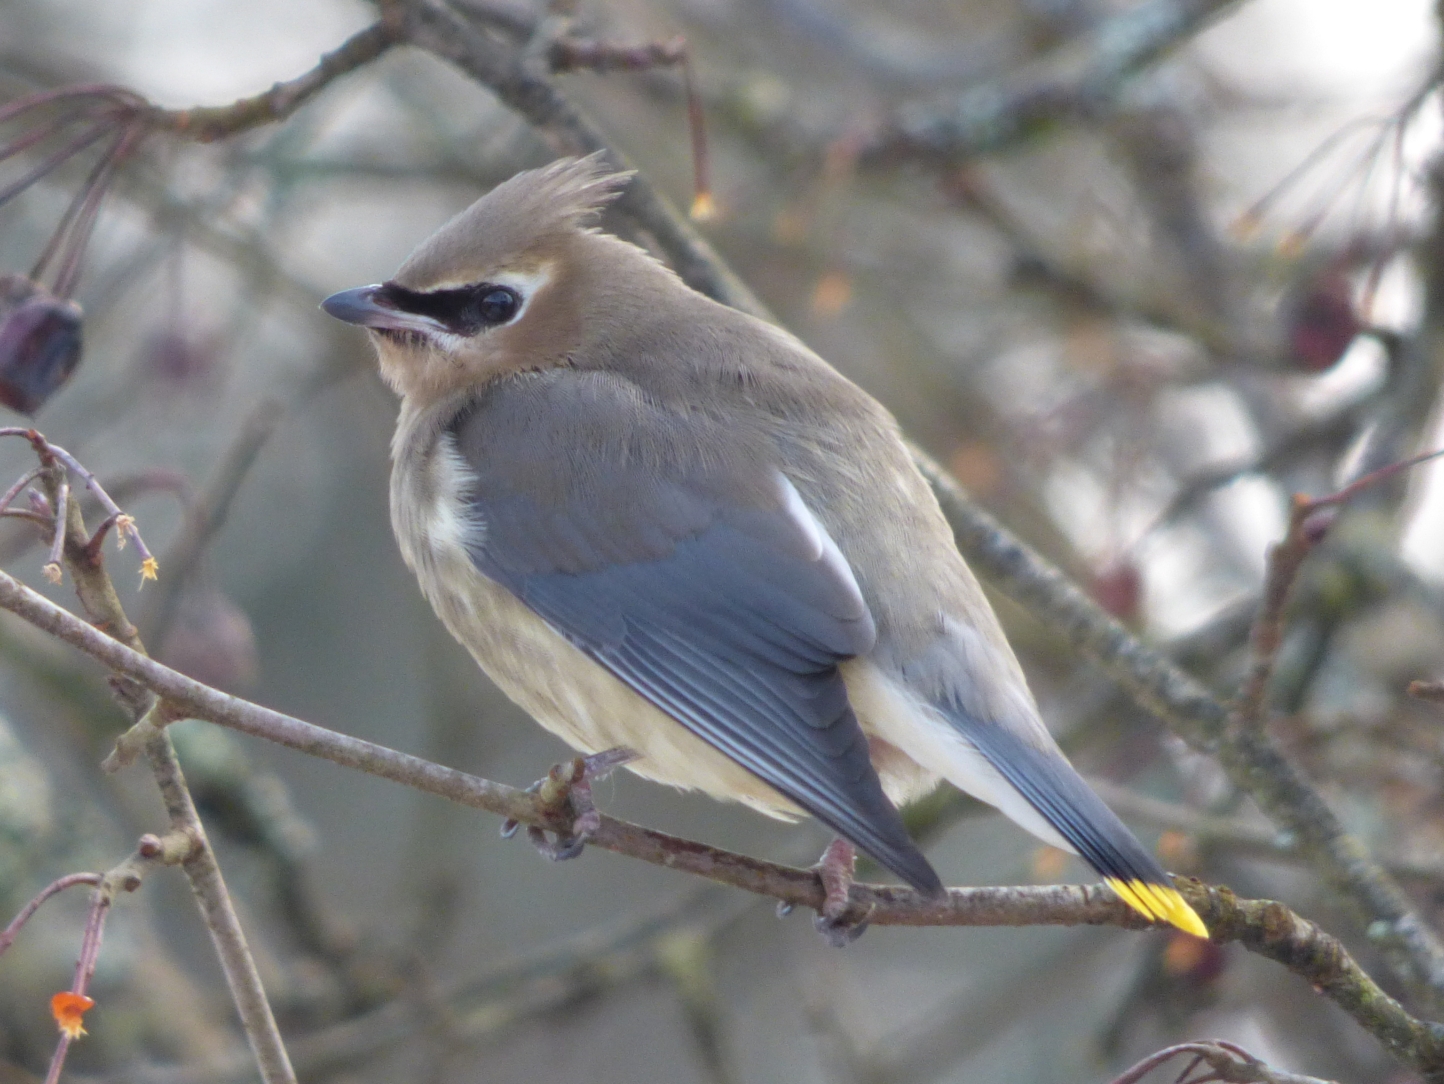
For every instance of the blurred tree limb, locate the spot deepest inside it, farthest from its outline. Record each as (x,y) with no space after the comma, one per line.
(1077,83)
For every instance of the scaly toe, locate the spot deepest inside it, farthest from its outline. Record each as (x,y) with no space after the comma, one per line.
(568,788)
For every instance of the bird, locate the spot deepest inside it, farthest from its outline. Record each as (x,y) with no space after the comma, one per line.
(663,525)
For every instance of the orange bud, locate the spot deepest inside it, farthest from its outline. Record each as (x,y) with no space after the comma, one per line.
(1049,863)
(1176,850)
(1246,226)
(832,294)
(704,207)
(69,1010)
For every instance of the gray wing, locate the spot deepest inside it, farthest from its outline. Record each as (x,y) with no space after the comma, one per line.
(674,553)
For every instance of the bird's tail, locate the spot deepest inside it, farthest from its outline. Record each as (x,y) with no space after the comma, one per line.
(1051,786)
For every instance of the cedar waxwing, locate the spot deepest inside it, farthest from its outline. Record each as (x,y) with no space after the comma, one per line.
(663,525)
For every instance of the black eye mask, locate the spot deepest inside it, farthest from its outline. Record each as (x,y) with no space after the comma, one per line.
(464,310)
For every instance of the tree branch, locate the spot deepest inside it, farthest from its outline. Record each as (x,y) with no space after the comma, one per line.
(1079,83)
(101,603)
(1265,927)
(526,89)
(1226,1062)
(211,123)
(1252,762)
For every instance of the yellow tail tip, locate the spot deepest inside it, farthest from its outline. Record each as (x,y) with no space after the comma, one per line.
(1161,903)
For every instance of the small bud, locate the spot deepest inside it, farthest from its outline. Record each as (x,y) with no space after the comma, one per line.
(1176,850)
(1048,863)
(977,468)
(1192,960)
(1317,523)
(149,570)
(40,340)
(52,572)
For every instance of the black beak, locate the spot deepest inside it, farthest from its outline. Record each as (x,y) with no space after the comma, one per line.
(368,306)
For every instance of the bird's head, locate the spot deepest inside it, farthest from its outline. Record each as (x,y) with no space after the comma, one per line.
(493,291)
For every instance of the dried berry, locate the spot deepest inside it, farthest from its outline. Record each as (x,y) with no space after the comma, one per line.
(1321,322)
(40,338)
(211,640)
(1118,588)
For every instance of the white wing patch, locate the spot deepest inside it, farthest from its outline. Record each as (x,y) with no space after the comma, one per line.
(823,548)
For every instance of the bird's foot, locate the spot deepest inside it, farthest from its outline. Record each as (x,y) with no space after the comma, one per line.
(835,920)
(567,790)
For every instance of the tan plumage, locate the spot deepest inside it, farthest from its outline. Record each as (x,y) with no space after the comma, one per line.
(660,523)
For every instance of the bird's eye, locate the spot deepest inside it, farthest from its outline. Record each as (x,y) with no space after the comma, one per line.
(497,304)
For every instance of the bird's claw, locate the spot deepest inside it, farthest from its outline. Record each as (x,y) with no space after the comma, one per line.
(564,847)
(834,919)
(840,932)
(567,789)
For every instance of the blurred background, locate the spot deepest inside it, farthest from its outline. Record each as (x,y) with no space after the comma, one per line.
(1132,326)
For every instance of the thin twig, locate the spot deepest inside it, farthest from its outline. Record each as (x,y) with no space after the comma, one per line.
(124,524)
(54,160)
(1227,1063)
(503,69)
(220,916)
(1427,690)
(107,94)
(1309,522)
(102,604)
(69,1007)
(60,884)
(210,123)
(14,491)
(57,545)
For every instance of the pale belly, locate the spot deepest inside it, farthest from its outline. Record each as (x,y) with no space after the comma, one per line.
(583,704)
